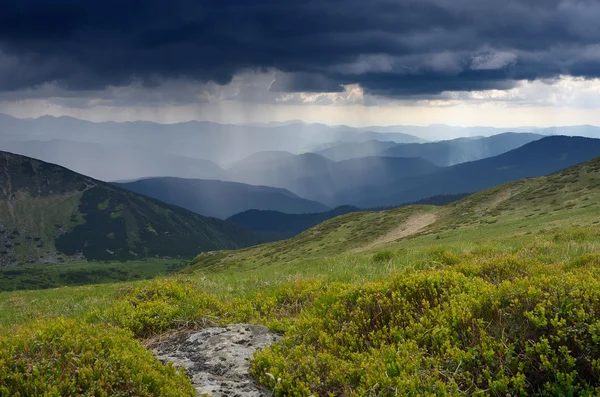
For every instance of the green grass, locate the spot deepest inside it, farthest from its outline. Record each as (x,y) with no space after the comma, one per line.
(43,276)
(476,279)
(37,220)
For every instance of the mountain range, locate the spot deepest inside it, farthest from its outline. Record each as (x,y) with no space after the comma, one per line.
(537,158)
(219,143)
(349,167)
(309,182)
(441,153)
(390,181)
(312,175)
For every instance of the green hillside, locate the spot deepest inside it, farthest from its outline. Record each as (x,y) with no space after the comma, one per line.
(496,294)
(49,214)
(546,204)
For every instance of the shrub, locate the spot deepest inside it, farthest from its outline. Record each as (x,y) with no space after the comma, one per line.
(160,306)
(383,256)
(583,261)
(62,357)
(571,235)
(504,327)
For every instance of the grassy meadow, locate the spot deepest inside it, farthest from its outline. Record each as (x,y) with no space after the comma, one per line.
(497,294)
(44,276)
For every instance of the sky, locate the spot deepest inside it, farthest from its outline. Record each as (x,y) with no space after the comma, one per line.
(502,63)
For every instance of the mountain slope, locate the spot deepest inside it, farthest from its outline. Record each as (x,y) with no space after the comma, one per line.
(565,199)
(274,225)
(49,213)
(537,158)
(222,199)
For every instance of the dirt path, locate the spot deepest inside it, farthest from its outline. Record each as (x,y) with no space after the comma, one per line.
(413,224)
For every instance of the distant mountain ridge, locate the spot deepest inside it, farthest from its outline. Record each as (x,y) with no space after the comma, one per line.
(538,158)
(389,181)
(51,214)
(219,143)
(462,150)
(221,199)
(112,162)
(351,150)
(440,153)
(317,178)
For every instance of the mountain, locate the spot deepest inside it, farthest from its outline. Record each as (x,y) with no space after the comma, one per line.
(261,158)
(461,150)
(317,178)
(357,173)
(537,158)
(351,150)
(221,199)
(51,214)
(111,162)
(274,225)
(279,171)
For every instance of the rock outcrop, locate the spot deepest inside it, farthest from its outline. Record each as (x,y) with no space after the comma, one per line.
(217,359)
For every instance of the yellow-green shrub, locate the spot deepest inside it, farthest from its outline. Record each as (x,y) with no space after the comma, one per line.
(383,256)
(61,357)
(499,327)
(162,305)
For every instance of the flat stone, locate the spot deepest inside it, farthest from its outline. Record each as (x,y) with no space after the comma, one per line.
(217,359)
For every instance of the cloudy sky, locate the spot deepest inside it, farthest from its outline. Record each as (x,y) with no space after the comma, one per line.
(356,62)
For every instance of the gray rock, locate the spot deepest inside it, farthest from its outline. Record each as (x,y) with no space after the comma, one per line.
(217,359)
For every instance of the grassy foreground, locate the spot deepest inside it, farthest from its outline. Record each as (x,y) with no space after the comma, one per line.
(499,295)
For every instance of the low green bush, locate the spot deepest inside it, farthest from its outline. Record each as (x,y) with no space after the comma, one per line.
(162,305)
(61,357)
(500,327)
(383,256)
(571,235)
(584,261)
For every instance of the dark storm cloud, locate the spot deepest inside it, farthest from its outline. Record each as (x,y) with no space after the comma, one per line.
(389,47)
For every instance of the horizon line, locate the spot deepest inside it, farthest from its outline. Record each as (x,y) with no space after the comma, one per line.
(299,121)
